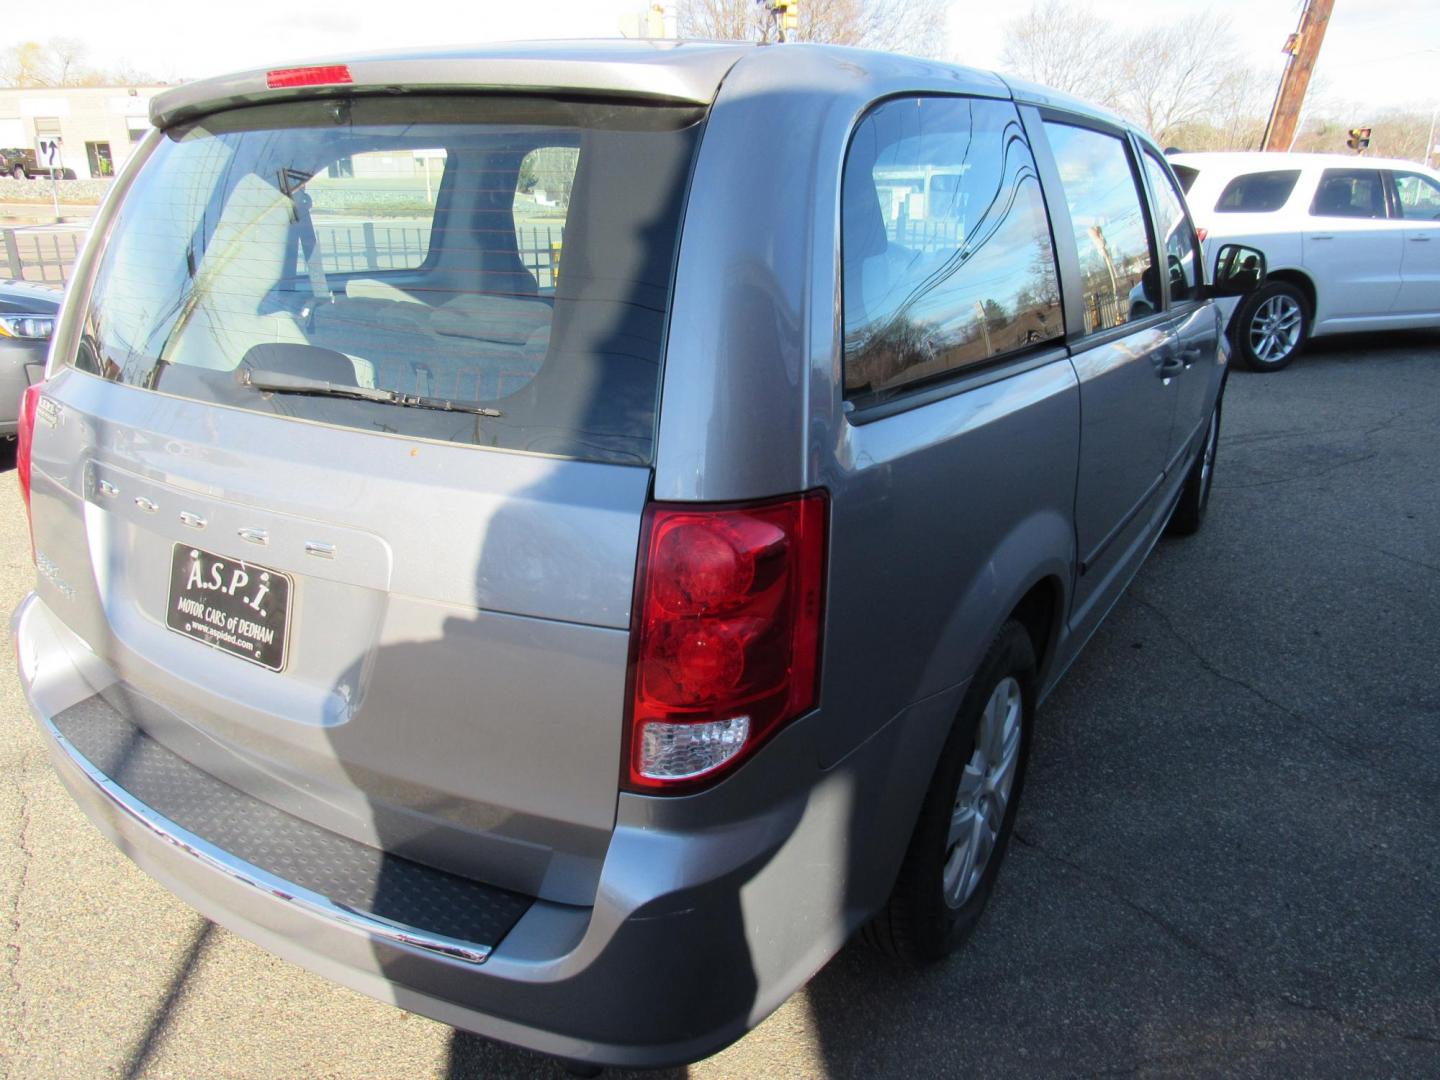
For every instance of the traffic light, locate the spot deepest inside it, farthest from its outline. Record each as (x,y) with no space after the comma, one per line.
(785,13)
(1359,138)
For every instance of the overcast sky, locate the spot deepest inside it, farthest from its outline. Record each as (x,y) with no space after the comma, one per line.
(1376,53)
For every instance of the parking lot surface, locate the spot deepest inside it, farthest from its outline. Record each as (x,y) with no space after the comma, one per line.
(1227,860)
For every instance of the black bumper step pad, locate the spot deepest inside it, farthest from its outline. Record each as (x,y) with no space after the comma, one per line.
(342,870)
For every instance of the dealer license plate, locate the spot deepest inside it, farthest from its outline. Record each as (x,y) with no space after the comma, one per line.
(234,606)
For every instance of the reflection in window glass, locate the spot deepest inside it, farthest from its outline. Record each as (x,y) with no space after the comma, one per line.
(1257,193)
(947,253)
(1349,193)
(1419,196)
(1117,276)
(1176,235)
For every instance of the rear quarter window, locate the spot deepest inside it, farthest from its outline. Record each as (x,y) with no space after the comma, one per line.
(1258,192)
(947,256)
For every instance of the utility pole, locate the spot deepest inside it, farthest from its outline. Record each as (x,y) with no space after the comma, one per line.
(1304,49)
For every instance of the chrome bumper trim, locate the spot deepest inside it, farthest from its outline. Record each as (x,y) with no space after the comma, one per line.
(261,880)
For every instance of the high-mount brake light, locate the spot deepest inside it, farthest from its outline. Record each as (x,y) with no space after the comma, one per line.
(322,75)
(725,635)
(24,440)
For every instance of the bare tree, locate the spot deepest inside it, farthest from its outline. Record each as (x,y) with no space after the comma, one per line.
(67,55)
(1065,47)
(1394,132)
(1184,81)
(60,62)
(912,26)
(1174,74)
(722,20)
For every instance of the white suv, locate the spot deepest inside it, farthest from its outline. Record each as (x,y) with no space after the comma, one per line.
(1353,243)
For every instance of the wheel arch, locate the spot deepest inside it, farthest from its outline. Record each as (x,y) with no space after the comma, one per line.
(1292,276)
(1237,332)
(1040,611)
(1026,577)
(1300,280)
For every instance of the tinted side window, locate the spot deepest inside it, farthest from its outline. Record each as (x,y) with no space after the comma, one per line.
(1257,193)
(1177,235)
(1417,196)
(1186,176)
(1117,274)
(946,245)
(1349,193)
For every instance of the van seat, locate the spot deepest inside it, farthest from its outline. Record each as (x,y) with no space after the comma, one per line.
(471,348)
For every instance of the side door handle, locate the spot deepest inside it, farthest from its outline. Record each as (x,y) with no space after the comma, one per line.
(1419,239)
(1192,354)
(1322,236)
(1169,365)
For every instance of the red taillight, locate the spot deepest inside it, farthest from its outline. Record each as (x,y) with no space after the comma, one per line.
(1202,233)
(725,635)
(321,75)
(24,438)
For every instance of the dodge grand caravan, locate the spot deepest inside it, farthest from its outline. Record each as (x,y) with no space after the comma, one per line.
(560,537)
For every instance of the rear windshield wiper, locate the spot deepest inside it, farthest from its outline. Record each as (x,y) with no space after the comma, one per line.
(278,382)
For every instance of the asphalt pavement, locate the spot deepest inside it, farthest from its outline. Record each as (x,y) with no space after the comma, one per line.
(1227,860)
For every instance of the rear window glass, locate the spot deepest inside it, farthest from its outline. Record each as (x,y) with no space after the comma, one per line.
(1257,193)
(396,266)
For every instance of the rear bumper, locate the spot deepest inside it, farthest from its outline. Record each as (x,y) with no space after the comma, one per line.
(710,911)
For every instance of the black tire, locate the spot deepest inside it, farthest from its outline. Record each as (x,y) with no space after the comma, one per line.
(18,172)
(1189,512)
(1267,309)
(919,924)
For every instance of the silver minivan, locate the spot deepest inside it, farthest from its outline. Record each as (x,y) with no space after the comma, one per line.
(561,537)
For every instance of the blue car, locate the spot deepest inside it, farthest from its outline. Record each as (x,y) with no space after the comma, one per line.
(27,316)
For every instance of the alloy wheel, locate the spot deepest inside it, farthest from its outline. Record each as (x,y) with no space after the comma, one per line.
(1275,329)
(984,792)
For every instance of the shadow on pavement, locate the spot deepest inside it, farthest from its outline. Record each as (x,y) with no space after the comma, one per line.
(139,1058)
(476,1058)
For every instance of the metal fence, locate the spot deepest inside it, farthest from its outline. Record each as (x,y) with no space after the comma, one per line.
(47,254)
(40,254)
(367,246)
(354,248)
(920,234)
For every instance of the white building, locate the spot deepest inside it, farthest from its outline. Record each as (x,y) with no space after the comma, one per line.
(97,125)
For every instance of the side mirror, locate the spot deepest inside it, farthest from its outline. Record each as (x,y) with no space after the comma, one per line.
(1238,270)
